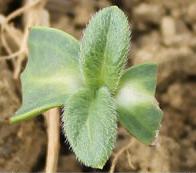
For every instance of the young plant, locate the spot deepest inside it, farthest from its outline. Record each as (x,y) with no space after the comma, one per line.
(89,80)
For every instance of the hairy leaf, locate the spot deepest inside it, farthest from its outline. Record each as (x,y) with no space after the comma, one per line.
(90,125)
(51,74)
(138,109)
(104,48)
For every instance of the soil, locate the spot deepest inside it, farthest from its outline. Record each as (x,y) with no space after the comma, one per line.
(163,32)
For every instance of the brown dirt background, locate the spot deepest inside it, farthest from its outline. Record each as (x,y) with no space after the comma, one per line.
(163,32)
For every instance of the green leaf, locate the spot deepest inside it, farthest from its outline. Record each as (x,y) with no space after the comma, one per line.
(51,73)
(104,48)
(90,125)
(138,109)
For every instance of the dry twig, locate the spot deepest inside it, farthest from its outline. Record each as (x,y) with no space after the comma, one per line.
(22,52)
(12,55)
(21,10)
(129,160)
(118,154)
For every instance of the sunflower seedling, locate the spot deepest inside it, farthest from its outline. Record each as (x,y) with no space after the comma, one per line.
(89,80)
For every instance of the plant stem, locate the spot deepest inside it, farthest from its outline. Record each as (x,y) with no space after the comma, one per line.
(53,122)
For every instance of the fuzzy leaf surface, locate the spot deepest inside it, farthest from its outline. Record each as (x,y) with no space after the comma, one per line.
(51,73)
(104,48)
(90,125)
(138,109)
